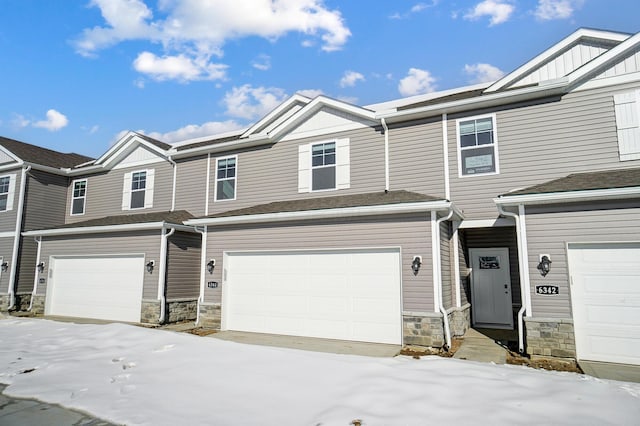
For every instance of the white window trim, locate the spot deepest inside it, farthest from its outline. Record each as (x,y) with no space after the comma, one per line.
(84,203)
(342,165)
(495,145)
(215,186)
(127,190)
(11,191)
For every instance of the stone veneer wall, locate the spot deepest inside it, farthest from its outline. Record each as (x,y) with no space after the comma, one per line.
(550,337)
(38,304)
(427,329)
(460,320)
(210,315)
(150,311)
(23,300)
(181,310)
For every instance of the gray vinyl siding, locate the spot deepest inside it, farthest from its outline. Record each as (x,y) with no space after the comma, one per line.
(409,232)
(416,157)
(268,174)
(550,228)
(183,266)
(8,218)
(465,270)
(191,185)
(501,236)
(45,200)
(540,141)
(26,265)
(445,264)
(6,251)
(143,242)
(104,192)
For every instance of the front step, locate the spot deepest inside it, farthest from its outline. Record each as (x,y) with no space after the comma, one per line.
(478,347)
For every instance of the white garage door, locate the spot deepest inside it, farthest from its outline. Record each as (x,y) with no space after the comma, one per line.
(346,295)
(605,295)
(104,287)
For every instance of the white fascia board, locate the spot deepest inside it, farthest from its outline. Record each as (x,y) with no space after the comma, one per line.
(116,146)
(106,228)
(273,115)
(424,206)
(224,146)
(554,50)
(211,138)
(129,147)
(484,101)
(569,196)
(11,166)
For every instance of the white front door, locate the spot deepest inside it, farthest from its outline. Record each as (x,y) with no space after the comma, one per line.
(491,288)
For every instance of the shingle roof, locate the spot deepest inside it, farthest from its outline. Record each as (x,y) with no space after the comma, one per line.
(175,217)
(43,156)
(153,141)
(341,201)
(211,142)
(608,179)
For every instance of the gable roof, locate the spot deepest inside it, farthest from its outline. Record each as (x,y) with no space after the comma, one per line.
(42,156)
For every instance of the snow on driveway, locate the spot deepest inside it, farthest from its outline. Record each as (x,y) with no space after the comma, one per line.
(139,376)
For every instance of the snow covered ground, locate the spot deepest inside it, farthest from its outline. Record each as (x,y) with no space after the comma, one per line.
(138,376)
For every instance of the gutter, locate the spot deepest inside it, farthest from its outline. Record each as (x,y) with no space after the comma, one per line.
(16,238)
(569,196)
(106,228)
(162,278)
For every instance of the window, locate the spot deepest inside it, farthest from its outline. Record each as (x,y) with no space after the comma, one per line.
(324,166)
(138,190)
(7,189)
(477,146)
(226,178)
(79,196)
(628,124)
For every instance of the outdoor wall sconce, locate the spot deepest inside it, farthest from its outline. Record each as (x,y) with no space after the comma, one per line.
(210,265)
(40,267)
(4,266)
(150,265)
(416,263)
(545,264)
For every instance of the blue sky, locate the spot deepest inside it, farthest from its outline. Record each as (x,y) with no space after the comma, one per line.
(75,74)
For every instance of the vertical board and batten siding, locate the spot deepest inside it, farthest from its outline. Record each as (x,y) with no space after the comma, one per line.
(416,157)
(550,228)
(191,185)
(183,266)
(268,174)
(45,200)
(448,298)
(6,251)
(142,242)
(412,233)
(503,236)
(539,142)
(8,217)
(626,65)
(104,192)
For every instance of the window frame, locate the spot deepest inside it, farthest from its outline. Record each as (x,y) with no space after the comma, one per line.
(138,190)
(8,193)
(494,145)
(324,166)
(73,197)
(234,178)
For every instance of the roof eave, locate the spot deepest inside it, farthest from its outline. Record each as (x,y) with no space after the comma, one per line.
(569,196)
(107,228)
(249,142)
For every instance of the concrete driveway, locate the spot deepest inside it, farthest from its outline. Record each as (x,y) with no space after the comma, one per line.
(609,370)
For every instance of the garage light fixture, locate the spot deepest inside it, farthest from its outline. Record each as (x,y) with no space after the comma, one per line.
(40,267)
(210,265)
(416,263)
(545,264)
(4,266)
(150,265)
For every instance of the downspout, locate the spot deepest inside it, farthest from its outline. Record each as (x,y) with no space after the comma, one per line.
(203,262)
(386,154)
(175,172)
(437,272)
(162,279)
(38,241)
(16,238)
(522,266)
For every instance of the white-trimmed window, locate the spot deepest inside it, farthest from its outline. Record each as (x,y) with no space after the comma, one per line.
(7,191)
(324,166)
(79,196)
(628,124)
(137,192)
(226,169)
(477,145)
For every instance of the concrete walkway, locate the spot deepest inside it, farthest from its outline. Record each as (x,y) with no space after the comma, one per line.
(478,347)
(611,371)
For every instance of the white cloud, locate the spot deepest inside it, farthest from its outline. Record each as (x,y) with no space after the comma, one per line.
(311,93)
(19,121)
(178,67)
(499,10)
(54,121)
(416,8)
(556,9)
(192,131)
(350,78)
(250,102)
(262,62)
(417,82)
(191,32)
(481,73)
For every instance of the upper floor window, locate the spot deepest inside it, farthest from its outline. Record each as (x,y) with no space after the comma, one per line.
(324,166)
(226,178)
(79,197)
(628,124)
(138,190)
(7,190)
(477,146)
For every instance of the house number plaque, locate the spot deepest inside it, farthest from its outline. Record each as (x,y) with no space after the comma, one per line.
(547,290)
(212,284)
